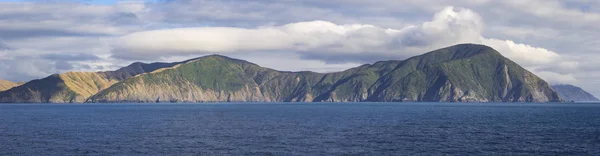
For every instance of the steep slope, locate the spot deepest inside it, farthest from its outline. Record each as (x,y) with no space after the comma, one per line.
(211,78)
(573,93)
(5,85)
(461,73)
(73,87)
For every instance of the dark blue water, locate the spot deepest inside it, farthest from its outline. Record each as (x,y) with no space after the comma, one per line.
(301,129)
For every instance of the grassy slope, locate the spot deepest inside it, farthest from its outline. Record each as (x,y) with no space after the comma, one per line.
(214,78)
(74,86)
(5,85)
(459,73)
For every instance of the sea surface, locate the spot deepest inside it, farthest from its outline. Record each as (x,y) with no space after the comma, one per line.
(301,129)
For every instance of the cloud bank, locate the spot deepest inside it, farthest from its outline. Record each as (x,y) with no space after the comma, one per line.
(333,43)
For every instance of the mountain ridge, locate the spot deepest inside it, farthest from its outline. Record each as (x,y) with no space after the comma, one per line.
(73,87)
(573,93)
(428,77)
(459,73)
(5,85)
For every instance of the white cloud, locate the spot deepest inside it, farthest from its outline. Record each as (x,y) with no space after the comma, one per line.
(329,42)
(448,27)
(556,78)
(522,53)
(303,36)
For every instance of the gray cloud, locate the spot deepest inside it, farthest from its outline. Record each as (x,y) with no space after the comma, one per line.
(63,65)
(70,57)
(20,34)
(242,13)
(18,70)
(5,47)
(22,20)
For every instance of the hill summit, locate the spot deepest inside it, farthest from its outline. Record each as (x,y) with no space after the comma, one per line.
(460,73)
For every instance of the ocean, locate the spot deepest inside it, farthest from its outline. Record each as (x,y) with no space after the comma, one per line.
(301,129)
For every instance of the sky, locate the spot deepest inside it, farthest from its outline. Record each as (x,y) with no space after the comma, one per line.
(558,40)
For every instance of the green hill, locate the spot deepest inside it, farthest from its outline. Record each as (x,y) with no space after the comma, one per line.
(461,73)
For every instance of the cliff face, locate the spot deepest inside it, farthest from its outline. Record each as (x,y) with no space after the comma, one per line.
(73,87)
(5,85)
(461,73)
(573,93)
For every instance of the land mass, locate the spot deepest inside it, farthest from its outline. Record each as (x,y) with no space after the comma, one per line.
(74,87)
(573,93)
(460,73)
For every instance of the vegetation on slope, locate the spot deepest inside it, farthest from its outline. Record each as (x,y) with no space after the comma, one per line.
(5,85)
(73,87)
(461,73)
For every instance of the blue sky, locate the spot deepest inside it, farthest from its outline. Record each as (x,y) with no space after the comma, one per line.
(555,39)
